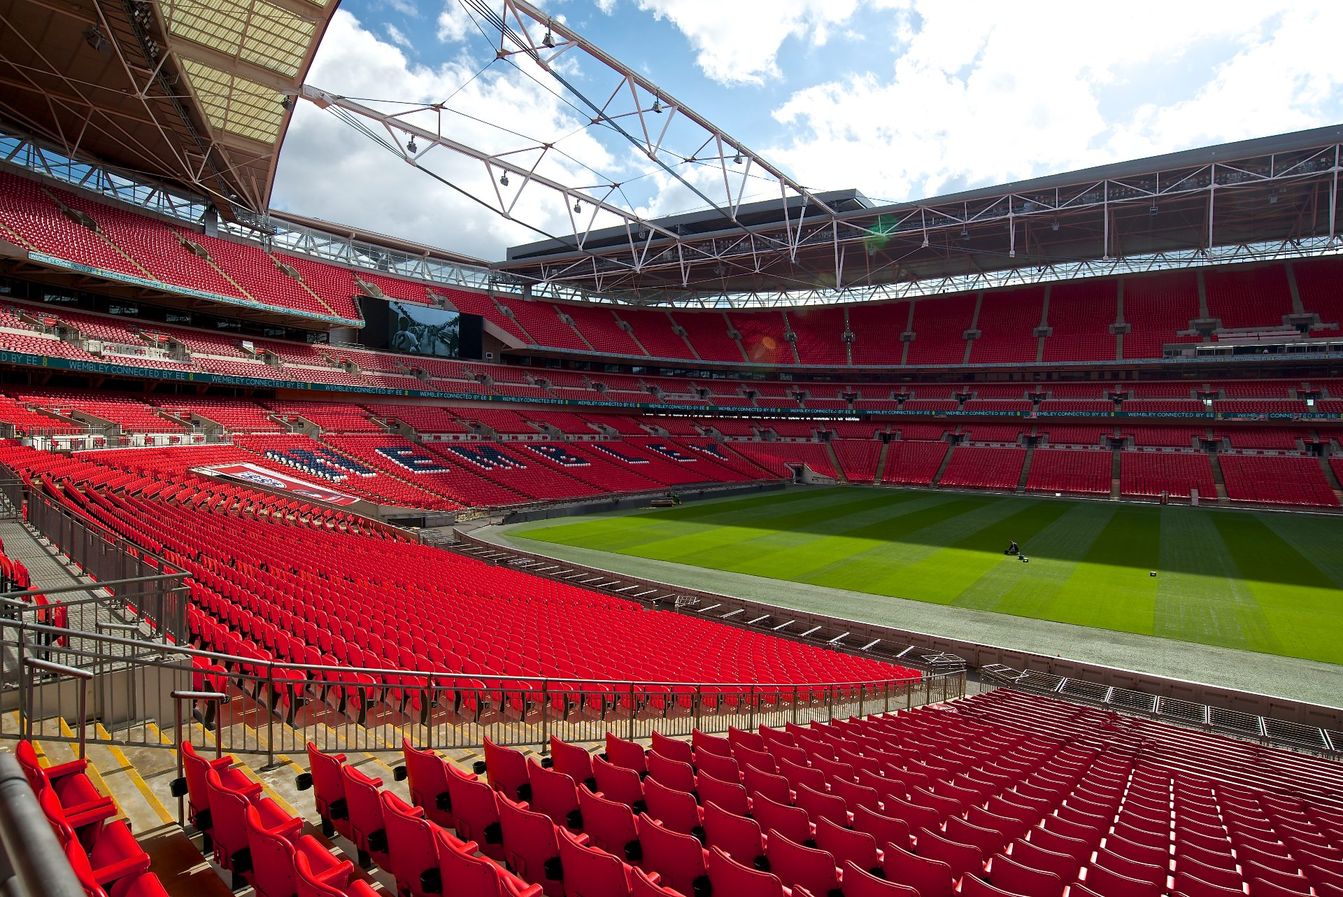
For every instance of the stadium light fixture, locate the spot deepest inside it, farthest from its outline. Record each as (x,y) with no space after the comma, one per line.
(503,179)
(657,105)
(1152,209)
(93,36)
(411,147)
(578,208)
(737,159)
(549,40)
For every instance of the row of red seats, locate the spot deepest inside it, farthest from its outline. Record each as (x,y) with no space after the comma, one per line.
(104,855)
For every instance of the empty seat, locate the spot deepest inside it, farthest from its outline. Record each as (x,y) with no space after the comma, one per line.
(680,859)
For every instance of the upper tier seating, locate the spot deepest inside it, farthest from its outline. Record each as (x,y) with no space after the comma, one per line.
(654,332)
(1248,295)
(762,336)
(707,332)
(1317,283)
(1080,315)
(820,334)
(876,331)
(1155,307)
(1007,319)
(939,330)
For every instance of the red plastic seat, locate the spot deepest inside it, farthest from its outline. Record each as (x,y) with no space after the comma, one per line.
(413,853)
(531,846)
(775,787)
(960,858)
(672,773)
(554,794)
(973,886)
(1109,883)
(273,859)
(475,876)
(859,882)
(848,845)
(618,783)
(368,829)
(476,808)
(673,748)
(989,841)
(737,836)
(725,769)
(75,792)
(796,864)
(328,788)
(146,884)
(428,780)
(931,878)
(1188,885)
(1014,875)
(791,822)
(730,796)
(674,809)
(609,824)
(680,859)
(308,883)
(819,805)
(228,812)
(589,872)
(194,770)
(573,761)
(644,886)
(506,771)
(727,876)
(884,829)
(626,754)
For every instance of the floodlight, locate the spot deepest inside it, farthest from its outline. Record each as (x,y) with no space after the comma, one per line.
(737,160)
(411,147)
(548,41)
(503,179)
(578,208)
(657,105)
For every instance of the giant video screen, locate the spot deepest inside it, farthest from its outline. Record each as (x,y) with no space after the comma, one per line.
(423,330)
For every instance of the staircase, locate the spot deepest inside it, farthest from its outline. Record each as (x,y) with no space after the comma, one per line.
(684,335)
(880,473)
(1025,469)
(840,475)
(1217,479)
(1332,479)
(937,477)
(1114,477)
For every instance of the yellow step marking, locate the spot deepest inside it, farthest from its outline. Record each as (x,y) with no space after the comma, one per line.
(91,770)
(136,779)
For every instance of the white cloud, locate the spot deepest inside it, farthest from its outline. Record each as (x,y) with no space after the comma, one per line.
(454,23)
(982,93)
(329,171)
(398,37)
(606,6)
(738,42)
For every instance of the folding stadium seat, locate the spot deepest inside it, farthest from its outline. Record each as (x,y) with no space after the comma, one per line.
(646,886)
(368,829)
(680,859)
(860,883)
(1270,881)
(114,862)
(774,787)
(749,757)
(1187,885)
(555,795)
(737,836)
(727,876)
(728,795)
(273,858)
(819,805)
(573,761)
(531,846)
(609,824)
(1014,875)
(797,775)
(673,748)
(308,882)
(475,805)
(848,845)
(1033,856)
(856,795)
(413,852)
(791,822)
(69,793)
(930,877)
(989,841)
(618,783)
(628,754)
(475,876)
(1108,883)
(672,773)
(960,858)
(722,768)
(328,786)
(714,744)
(674,809)
(589,872)
(885,829)
(506,771)
(194,770)
(228,816)
(797,865)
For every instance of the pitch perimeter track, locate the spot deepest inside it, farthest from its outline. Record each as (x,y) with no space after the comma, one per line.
(1296,679)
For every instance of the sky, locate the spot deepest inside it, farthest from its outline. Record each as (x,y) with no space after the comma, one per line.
(900,99)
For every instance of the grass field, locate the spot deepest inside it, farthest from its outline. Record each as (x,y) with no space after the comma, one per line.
(1253,581)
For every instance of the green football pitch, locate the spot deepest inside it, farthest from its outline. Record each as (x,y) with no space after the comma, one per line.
(1268,582)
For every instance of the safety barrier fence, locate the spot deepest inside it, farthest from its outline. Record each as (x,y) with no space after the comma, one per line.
(32,863)
(268,707)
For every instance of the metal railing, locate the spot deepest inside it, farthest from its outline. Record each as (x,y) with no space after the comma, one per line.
(275,708)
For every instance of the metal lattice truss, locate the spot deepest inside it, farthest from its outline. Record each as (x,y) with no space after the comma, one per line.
(655,138)
(190,92)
